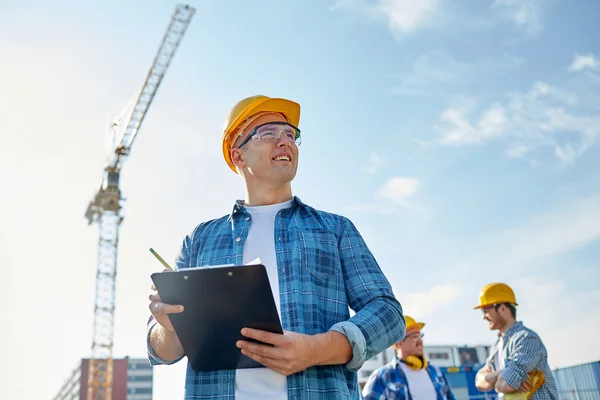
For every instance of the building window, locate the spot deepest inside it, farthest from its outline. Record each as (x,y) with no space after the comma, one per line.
(439,356)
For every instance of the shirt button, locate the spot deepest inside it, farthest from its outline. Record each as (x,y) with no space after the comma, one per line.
(238,239)
(247,218)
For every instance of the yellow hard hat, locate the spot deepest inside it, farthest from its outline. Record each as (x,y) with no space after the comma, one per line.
(411,323)
(496,293)
(250,106)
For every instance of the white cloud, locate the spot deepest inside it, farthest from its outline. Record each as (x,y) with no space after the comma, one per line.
(376,163)
(524,13)
(527,249)
(581,62)
(589,64)
(392,197)
(438,69)
(549,236)
(420,304)
(405,16)
(402,16)
(545,117)
(521,152)
(459,130)
(534,243)
(399,190)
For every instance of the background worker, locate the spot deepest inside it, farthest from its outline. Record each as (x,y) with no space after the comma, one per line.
(318,266)
(517,352)
(409,376)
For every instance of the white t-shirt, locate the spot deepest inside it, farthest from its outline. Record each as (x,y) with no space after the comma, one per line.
(419,383)
(262,383)
(499,361)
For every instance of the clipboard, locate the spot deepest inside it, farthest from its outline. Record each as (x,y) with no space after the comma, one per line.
(218,302)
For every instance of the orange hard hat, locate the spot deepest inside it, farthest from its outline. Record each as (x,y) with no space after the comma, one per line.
(250,106)
(496,293)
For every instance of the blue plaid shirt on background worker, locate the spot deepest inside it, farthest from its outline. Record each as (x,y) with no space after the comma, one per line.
(324,267)
(389,382)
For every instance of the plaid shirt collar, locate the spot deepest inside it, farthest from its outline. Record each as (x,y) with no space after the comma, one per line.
(517,326)
(239,206)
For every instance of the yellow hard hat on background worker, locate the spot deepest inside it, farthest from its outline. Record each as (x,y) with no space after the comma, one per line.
(411,324)
(247,108)
(496,293)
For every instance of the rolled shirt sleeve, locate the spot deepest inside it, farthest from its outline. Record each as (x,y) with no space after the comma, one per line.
(523,358)
(357,342)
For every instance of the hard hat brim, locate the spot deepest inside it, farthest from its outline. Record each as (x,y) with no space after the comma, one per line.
(491,304)
(418,325)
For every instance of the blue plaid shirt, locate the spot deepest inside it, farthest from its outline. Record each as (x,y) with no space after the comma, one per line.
(324,267)
(523,352)
(389,383)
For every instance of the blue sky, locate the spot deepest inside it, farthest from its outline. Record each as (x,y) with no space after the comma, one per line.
(460,137)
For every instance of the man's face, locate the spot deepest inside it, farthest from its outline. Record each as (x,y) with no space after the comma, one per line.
(272,161)
(494,318)
(412,345)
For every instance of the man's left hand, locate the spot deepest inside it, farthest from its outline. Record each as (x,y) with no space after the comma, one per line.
(291,352)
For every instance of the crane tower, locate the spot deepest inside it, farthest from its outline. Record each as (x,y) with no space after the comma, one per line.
(105,208)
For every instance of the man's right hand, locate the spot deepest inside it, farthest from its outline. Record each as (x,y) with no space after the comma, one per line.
(161,310)
(525,387)
(486,379)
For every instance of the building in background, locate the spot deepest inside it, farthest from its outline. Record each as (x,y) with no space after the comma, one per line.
(579,382)
(132,380)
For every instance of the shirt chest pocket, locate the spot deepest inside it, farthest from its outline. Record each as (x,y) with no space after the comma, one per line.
(319,255)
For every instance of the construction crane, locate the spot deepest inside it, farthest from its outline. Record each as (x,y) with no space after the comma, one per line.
(106,206)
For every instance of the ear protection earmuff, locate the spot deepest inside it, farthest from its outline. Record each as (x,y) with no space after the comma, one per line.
(415,363)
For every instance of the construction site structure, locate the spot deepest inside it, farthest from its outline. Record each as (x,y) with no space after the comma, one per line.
(105,209)
(132,380)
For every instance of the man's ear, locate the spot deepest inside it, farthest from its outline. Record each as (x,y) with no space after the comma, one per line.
(237,157)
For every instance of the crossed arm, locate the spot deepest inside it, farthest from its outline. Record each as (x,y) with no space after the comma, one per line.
(524,357)
(486,380)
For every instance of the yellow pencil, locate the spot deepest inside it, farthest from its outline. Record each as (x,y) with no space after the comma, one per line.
(160,259)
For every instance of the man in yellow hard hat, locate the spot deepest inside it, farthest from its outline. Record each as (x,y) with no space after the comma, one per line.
(518,362)
(409,375)
(318,266)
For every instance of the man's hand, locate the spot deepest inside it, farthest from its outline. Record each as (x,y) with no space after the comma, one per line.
(163,338)
(485,369)
(161,310)
(291,352)
(503,387)
(486,378)
(525,387)
(492,377)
